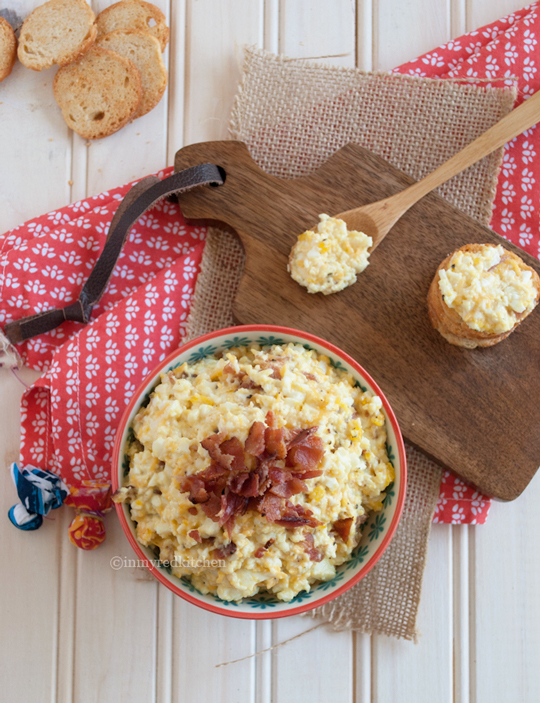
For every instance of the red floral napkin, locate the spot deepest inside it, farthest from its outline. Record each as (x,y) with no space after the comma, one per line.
(70,415)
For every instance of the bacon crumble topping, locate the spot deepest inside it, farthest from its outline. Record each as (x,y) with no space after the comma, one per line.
(227,488)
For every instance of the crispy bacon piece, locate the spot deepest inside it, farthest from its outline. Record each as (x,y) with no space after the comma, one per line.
(231,506)
(213,473)
(253,503)
(215,478)
(227,453)
(250,488)
(261,550)
(309,548)
(271,507)
(211,444)
(305,451)
(193,511)
(194,534)
(212,507)
(224,552)
(284,483)
(227,488)
(343,527)
(310,376)
(296,516)
(233,447)
(262,472)
(309,474)
(255,444)
(195,486)
(274,437)
(237,482)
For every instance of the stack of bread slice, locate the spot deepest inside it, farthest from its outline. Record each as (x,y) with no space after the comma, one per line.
(450,324)
(111,67)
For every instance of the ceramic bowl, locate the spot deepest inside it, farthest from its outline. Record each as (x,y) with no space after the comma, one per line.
(377,532)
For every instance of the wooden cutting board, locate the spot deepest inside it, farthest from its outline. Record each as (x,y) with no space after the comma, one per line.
(477,412)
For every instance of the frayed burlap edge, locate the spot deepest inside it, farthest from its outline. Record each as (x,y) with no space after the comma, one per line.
(386,600)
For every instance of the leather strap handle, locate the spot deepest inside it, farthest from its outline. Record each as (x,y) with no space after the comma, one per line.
(140,198)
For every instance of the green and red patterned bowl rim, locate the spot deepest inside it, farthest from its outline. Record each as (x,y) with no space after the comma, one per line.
(383,524)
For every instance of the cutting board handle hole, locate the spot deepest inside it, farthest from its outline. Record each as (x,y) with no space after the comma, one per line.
(223,175)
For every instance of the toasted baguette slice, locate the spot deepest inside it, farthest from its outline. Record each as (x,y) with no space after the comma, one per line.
(134,14)
(145,52)
(449,323)
(58,32)
(99,93)
(8,48)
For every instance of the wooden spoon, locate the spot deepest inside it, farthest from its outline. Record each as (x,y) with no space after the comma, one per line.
(377,219)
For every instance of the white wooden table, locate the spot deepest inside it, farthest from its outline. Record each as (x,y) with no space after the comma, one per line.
(72,628)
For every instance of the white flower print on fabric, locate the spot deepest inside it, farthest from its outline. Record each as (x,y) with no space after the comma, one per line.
(529,41)
(59,293)
(168,309)
(149,221)
(130,364)
(458,513)
(35,287)
(92,338)
(150,322)
(62,235)
(157,242)
(525,235)
(170,282)
(71,259)
(58,217)
(151,296)
(527,152)
(527,179)
(111,352)
(111,380)
(507,220)
(507,192)
(459,489)
(53,272)
(166,337)
(26,265)
(92,395)
(131,337)
(18,301)
(112,325)
(44,249)
(111,409)
(131,311)
(141,258)
(508,165)
(89,243)
(527,207)
(148,350)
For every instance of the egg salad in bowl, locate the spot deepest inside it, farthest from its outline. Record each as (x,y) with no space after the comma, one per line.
(259,471)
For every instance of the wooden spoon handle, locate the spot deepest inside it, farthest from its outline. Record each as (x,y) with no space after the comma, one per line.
(516,122)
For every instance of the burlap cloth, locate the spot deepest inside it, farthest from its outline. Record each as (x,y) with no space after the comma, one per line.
(293,115)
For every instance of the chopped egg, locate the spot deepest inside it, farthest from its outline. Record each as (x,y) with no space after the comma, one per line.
(488,289)
(327,259)
(228,395)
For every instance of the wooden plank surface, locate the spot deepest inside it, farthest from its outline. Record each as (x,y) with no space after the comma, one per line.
(489,572)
